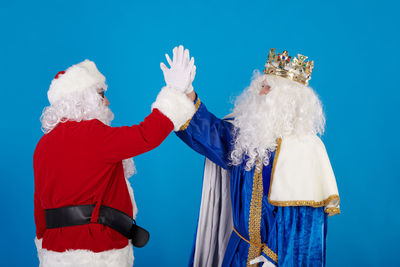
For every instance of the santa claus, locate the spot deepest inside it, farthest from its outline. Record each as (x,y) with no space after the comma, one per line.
(268,183)
(84,206)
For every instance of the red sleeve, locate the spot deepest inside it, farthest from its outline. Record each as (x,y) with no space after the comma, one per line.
(118,143)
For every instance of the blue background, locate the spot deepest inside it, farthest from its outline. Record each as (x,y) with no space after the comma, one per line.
(354,45)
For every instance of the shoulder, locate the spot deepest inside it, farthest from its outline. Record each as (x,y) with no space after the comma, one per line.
(305,146)
(94,125)
(310,139)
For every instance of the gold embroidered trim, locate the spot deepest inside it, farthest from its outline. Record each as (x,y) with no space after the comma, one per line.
(332,211)
(316,204)
(196,106)
(263,247)
(267,251)
(278,150)
(255,215)
(312,203)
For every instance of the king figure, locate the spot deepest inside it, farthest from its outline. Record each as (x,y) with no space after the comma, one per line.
(268,184)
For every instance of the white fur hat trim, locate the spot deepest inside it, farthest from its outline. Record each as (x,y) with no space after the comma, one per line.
(76,78)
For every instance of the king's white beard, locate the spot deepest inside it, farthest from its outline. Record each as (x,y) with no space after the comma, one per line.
(289,109)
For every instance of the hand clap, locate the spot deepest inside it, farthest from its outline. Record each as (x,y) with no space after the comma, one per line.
(181,73)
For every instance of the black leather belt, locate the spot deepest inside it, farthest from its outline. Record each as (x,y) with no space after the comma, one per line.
(113,218)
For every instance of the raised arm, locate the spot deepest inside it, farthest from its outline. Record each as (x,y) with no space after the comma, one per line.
(171,110)
(204,132)
(207,134)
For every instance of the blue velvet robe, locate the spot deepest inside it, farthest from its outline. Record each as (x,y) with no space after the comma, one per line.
(294,236)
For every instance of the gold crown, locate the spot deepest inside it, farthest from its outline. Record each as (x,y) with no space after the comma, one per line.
(297,70)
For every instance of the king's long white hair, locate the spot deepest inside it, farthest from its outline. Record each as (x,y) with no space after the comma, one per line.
(290,108)
(78,106)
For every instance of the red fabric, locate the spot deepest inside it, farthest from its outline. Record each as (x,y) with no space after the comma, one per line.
(59,73)
(80,163)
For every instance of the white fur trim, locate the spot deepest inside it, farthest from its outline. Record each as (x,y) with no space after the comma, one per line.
(76,78)
(175,105)
(84,258)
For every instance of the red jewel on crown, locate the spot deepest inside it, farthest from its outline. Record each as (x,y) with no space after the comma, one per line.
(298,69)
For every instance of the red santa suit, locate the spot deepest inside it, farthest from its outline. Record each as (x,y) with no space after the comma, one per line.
(79,163)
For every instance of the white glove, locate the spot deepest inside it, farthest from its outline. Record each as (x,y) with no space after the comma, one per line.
(266,263)
(181,73)
(192,75)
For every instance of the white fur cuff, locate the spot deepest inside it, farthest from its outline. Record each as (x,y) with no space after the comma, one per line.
(83,258)
(175,105)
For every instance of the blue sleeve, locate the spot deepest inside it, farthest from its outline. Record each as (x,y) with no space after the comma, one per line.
(301,236)
(208,135)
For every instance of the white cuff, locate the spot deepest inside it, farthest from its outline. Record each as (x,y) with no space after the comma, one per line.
(175,105)
(262,259)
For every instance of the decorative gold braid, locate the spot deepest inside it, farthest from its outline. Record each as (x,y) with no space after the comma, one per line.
(316,204)
(278,150)
(332,211)
(255,215)
(267,251)
(311,203)
(197,105)
(262,246)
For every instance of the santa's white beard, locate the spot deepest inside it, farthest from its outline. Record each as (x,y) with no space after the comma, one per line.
(290,108)
(129,170)
(129,167)
(106,116)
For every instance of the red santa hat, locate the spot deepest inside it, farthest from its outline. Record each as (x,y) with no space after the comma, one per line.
(76,78)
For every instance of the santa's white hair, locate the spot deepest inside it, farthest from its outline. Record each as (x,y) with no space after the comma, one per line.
(78,106)
(290,108)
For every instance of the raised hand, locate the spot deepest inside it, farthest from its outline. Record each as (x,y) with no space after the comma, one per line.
(182,71)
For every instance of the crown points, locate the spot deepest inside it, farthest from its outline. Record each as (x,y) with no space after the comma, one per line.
(298,69)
